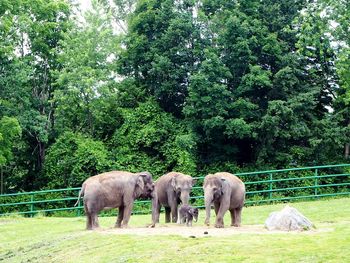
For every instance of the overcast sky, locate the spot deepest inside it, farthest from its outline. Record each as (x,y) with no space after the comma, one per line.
(85,4)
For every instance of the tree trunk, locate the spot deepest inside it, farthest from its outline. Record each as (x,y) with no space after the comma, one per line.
(41,153)
(347,148)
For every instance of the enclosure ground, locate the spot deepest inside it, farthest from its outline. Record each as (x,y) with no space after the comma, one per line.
(54,239)
(203,231)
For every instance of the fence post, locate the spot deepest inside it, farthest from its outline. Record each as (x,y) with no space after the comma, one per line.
(31,205)
(316,182)
(270,187)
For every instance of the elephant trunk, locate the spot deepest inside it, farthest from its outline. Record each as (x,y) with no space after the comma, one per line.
(185,197)
(208,198)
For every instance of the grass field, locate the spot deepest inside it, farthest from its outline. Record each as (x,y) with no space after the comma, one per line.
(52,239)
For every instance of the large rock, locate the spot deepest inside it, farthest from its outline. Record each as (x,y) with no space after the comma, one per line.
(288,219)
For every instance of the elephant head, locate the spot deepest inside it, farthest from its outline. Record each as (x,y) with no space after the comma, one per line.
(214,188)
(147,188)
(144,186)
(182,185)
(194,213)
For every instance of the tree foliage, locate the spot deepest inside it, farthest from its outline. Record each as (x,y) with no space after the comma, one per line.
(161,85)
(73,158)
(85,94)
(10,130)
(154,140)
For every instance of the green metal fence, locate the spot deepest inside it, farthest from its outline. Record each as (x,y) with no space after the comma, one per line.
(262,187)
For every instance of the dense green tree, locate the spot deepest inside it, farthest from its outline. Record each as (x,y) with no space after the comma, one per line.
(30,34)
(161,85)
(120,10)
(150,139)
(281,82)
(336,15)
(10,130)
(161,49)
(85,97)
(73,158)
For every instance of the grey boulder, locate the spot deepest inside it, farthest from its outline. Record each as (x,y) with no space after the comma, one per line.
(288,219)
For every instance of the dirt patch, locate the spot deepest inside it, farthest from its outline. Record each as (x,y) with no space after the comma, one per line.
(4,222)
(201,231)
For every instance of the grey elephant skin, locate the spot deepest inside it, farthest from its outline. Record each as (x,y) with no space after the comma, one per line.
(172,189)
(227,192)
(187,214)
(115,189)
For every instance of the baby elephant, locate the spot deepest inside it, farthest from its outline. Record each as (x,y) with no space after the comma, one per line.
(187,213)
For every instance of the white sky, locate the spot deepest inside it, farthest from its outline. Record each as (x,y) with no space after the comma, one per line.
(84,4)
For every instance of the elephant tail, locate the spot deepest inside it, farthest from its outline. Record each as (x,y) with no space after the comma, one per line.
(81,192)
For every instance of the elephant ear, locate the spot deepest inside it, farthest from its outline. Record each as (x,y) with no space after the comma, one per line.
(192,211)
(173,182)
(223,185)
(140,182)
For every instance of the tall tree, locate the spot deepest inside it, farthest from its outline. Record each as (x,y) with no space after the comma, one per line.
(85,97)
(120,10)
(161,50)
(275,89)
(32,30)
(336,16)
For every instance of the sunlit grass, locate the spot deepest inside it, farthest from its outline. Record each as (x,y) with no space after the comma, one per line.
(52,239)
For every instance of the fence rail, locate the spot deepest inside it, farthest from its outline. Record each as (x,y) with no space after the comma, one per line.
(268,186)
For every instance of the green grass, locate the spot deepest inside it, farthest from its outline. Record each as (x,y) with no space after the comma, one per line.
(53,239)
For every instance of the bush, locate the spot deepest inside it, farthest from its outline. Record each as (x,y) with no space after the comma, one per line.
(73,158)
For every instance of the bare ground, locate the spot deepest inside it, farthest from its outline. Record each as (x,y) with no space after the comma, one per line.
(200,231)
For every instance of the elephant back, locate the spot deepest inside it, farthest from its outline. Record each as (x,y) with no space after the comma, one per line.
(166,178)
(229,177)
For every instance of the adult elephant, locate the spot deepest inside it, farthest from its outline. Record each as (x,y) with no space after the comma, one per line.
(115,189)
(172,189)
(227,192)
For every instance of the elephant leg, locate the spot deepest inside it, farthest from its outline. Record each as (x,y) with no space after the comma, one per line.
(174,213)
(127,214)
(120,217)
(88,221)
(238,212)
(219,221)
(221,213)
(233,217)
(172,202)
(95,223)
(178,221)
(88,218)
(167,214)
(158,213)
(216,207)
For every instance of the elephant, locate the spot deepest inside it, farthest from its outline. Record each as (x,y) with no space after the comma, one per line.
(116,189)
(187,213)
(227,192)
(171,189)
